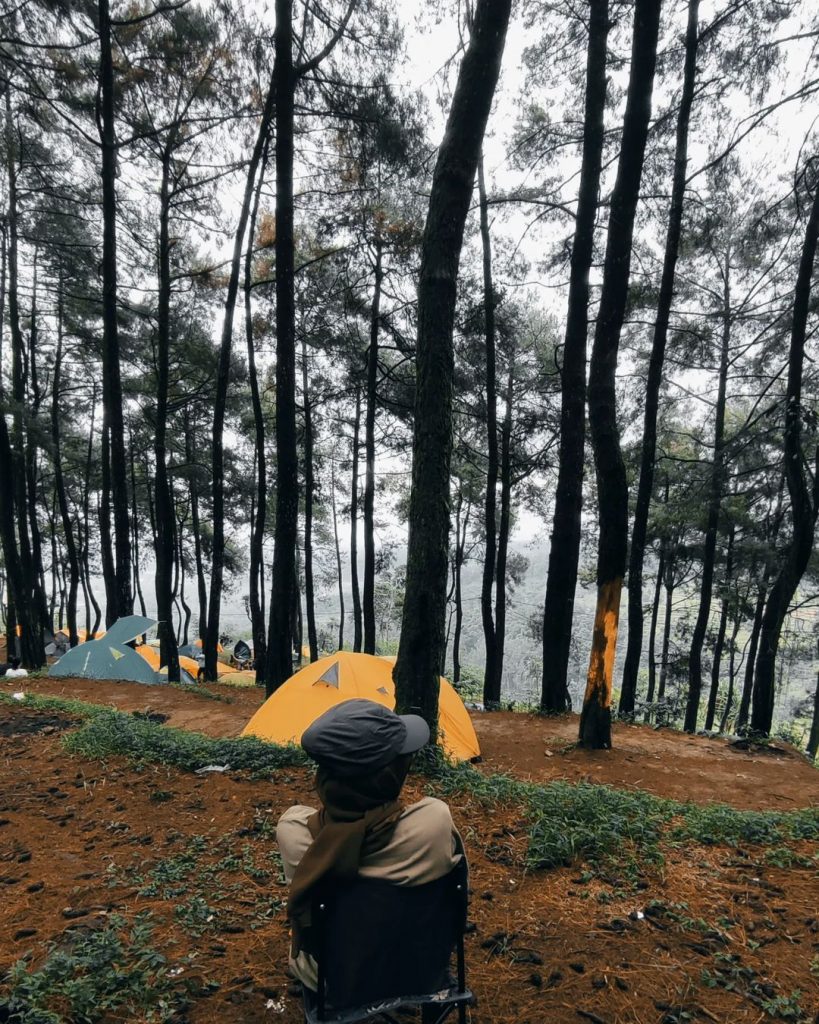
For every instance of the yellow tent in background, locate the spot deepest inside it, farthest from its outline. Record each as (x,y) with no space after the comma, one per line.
(345,675)
(151,655)
(219,647)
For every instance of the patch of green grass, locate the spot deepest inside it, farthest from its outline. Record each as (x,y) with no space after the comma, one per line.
(93,974)
(114,733)
(44,702)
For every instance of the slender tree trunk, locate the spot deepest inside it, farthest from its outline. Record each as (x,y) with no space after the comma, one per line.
(652,633)
(165,517)
(31,468)
(803,503)
(564,548)
(86,528)
(461,527)
(197,535)
(59,482)
(612,488)
(715,497)
(813,740)
(186,623)
(729,699)
(645,486)
(421,647)
(256,586)
(357,618)
(669,598)
(309,497)
(720,640)
(490,672)
(369,449)
(280,631)
(338,557)
(504,530)
(753,646)
(211,636)
(113,423)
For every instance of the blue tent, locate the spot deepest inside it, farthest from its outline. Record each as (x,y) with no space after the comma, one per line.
(109,657)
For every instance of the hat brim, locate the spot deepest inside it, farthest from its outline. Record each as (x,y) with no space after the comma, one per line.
(417,733)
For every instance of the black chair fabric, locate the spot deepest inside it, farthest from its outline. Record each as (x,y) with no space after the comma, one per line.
(377,941)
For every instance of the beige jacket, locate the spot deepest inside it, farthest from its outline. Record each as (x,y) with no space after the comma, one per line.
(424,846)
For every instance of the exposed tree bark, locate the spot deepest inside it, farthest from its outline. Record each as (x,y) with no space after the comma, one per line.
(113,423)
(490,672)
(339,573)
(720,638)
(211,635)
(714,499)
(165,549)
(309,497)
(59,481)
(369,450)
(669,599)
(803,498)
(31,468)
(461,527)
(256,587)
(655,371)
(109,573)
(652,633)
(421,646)
(357,618)
(135,534)
(612,488)
(753,645)
(504,528)
(86,528)
(564,548)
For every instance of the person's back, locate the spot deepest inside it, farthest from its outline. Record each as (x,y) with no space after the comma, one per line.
(361,830)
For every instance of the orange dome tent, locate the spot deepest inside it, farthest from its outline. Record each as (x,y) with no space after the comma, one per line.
(343,676)
(151,655)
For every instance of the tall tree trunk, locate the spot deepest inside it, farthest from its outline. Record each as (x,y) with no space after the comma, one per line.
(201,586)
(31,468)
(280,631)
(421,647)
(612,488)
(720,639)
(113,424)
(714,500)
(564,547)
(753,645)
(504,529)
(59,482)
(490,672)
(135,535)
(29,599)
(91,601)
(645,486)
(803,503)
(165,516)
(813,739)
(357,623)
(309,497)
(461,527)
(729,699)
(652,633)
(211,637)
(369,450)
(186,622)
(669,598)
(339,573)
(256,586)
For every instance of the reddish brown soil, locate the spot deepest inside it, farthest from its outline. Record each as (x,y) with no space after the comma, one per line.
(663,762)
(76,837)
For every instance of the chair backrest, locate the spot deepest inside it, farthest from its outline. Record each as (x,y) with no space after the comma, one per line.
(374,940)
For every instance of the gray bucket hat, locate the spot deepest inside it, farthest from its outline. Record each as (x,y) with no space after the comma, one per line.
(360,736)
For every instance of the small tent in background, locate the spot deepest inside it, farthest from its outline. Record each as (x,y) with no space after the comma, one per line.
(109,657)
(344,676)
(243,654)
(188,666)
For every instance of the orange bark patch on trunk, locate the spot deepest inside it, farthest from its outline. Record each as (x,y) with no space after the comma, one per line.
(595,720)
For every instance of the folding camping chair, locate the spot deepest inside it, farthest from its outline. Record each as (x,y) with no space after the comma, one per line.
(380,947)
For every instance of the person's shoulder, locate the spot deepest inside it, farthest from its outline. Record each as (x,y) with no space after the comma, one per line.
(431,810)
(298,814)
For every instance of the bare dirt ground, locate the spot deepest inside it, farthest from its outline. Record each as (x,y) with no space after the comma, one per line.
(712,934)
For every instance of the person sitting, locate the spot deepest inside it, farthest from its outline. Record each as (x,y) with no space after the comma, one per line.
(363,752)
(12,670)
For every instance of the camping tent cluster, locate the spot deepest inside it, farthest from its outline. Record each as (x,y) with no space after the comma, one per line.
(285,715)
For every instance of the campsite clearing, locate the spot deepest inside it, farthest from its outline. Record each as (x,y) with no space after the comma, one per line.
(710,933)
